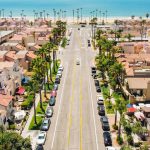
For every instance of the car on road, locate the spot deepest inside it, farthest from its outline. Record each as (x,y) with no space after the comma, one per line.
(107,139)
(110,148)
(89,45)
(57,80)
(78,28)
(82,25)
(61,68)
(53,93)
(41,138)
(52,101)
(55,87)
(96,82)
(101,110)
(39,147)
(100,102)
(77,61)
(45,124)
(105,123)
(98,89)
(49,112)
(95,76)
(59,75)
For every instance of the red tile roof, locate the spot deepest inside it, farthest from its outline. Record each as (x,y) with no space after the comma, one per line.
(5,100)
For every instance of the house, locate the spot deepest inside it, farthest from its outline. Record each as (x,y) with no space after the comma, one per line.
(137,76)
(33,47)
(6,106)
(6,35)
(10,77)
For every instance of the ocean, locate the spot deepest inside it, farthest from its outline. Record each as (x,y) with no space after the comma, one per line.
(124,8)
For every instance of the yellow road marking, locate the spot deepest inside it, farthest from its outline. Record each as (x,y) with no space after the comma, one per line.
(71,105)
(81,113)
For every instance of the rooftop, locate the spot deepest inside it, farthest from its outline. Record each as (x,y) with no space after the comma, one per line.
(5,100)
(4,33)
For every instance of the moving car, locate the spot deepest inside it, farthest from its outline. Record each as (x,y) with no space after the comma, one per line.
(41,138)
(101,110)
(45,124)
(52,101)
(107,139)
(55,87)
(77,61)
(49,112)
(105,124)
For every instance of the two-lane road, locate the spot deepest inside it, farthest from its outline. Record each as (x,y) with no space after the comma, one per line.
(75,124)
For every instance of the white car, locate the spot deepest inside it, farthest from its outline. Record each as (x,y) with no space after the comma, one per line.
(77,61)
(110,148)
(59,73)
(41,138)
(61,68)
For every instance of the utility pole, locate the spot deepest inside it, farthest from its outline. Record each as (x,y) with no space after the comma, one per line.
(106,12)
(81,15)
(73,15)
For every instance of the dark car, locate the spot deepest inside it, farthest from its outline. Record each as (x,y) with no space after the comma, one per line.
(107,139)
(52,101)
(39,147)
(45,124)
(98,89)
(93,73)
(55,87)
(101,110)
(105,124)
(78,28)
(95,76)
(89,45)
(57,81)
(96,82)
(93,68)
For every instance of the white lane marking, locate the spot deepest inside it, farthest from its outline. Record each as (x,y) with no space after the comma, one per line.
(93,113)
(59,108)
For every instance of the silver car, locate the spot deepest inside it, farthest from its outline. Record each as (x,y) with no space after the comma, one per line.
(49,112)
(45,124)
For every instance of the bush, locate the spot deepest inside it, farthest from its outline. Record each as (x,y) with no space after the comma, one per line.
(119,140)
(115,127)
(12,126)
(130,139)
(27,104)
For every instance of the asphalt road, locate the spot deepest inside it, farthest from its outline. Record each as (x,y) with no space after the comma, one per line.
(76,123)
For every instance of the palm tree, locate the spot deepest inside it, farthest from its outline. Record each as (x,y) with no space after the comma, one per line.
(121,107)
(142,24)
(147,15)
(128,36)
(132,17)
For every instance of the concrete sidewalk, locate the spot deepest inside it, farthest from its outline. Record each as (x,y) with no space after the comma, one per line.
(31,133)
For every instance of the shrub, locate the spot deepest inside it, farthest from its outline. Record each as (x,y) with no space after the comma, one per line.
(130,139)
(115,127)
(119,140)
(12,126)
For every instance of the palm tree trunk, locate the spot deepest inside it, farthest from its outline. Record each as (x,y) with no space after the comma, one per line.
(40,92)
(35,121)
(44,87)
(115,117)
(119,129)
(54,60)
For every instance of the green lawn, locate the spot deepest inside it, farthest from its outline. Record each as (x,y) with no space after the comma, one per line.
(34,126)
(39,110)
(109,107)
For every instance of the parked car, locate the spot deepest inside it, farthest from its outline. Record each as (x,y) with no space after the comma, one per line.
(45,124)
(107,139)
(55,87)
(59,75)
(98,89)
(105,123)
(101,110)
(96,82)
(49,112)
(41,138)
(95,76)
(110,148)
(100,102)
(39,147)
(57,80)
(93,69)
(52,101)
(61,68)
(53,93)
(89,45)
